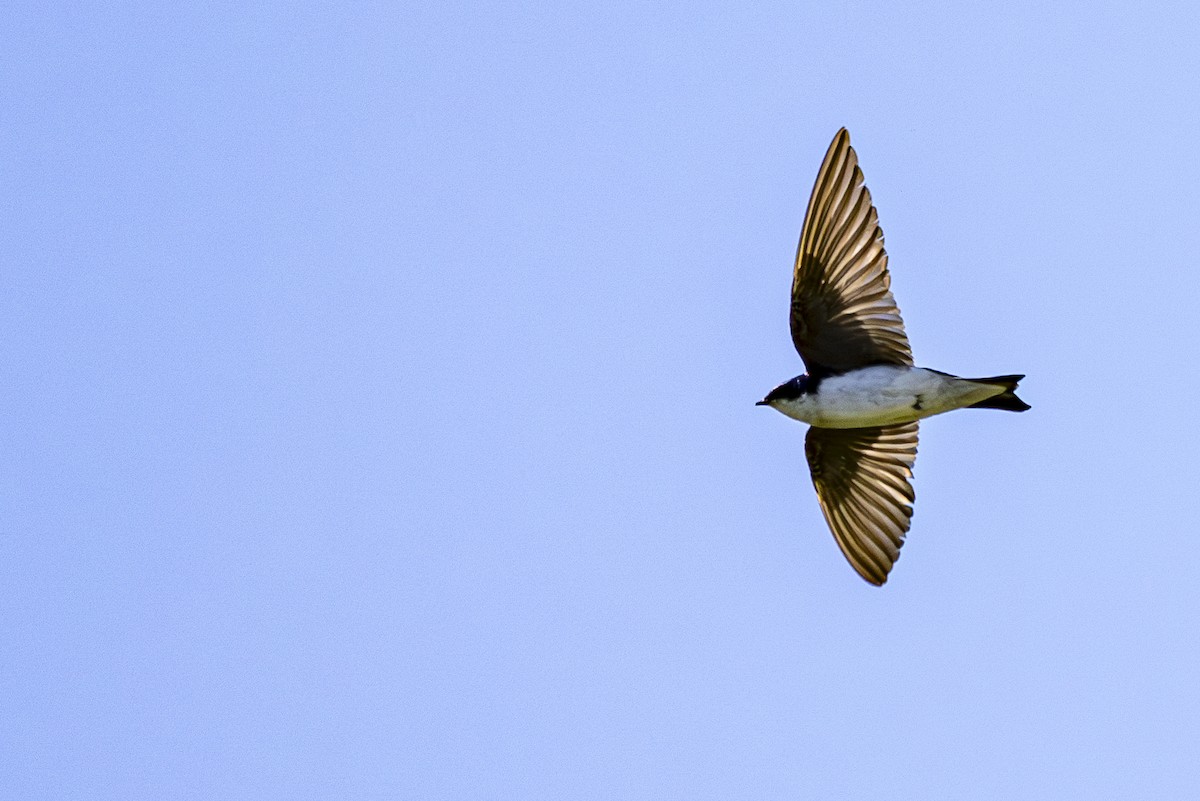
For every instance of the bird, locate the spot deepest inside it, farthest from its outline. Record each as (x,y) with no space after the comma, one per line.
(861,394)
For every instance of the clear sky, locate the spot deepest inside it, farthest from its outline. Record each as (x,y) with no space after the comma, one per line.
(377,405)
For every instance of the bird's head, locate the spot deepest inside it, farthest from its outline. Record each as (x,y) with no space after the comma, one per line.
(788,391)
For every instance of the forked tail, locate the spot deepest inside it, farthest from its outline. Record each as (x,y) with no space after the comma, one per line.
(1006,400)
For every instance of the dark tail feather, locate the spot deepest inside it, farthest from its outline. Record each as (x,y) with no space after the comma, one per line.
(1006,400)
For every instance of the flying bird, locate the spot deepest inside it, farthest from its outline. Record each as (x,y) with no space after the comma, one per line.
(861,395)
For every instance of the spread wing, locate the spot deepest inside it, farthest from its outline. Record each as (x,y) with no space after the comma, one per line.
(843,313)
(863,481)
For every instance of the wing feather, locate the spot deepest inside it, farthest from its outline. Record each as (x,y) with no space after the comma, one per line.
(843,314)
(863,482)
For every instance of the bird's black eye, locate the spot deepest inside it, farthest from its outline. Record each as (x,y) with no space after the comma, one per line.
(789,390)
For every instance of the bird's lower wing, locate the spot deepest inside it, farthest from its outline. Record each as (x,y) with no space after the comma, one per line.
(863,478)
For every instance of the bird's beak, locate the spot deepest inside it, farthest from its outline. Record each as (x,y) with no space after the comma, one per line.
(762,403)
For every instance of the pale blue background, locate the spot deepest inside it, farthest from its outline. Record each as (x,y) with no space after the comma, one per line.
(377,402)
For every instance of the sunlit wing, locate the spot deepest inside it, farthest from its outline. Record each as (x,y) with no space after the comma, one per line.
(863,481)
(843,313)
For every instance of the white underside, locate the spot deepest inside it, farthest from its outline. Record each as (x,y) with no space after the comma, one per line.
(884,395)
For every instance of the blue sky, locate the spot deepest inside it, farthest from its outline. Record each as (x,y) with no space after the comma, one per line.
(378,406)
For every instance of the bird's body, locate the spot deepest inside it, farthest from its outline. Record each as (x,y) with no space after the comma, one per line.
(862,395)
(881,395)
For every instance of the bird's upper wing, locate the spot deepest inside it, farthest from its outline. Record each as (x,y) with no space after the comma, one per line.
(843,313)
(863,480)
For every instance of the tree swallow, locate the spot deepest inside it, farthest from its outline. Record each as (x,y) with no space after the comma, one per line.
(862,396)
